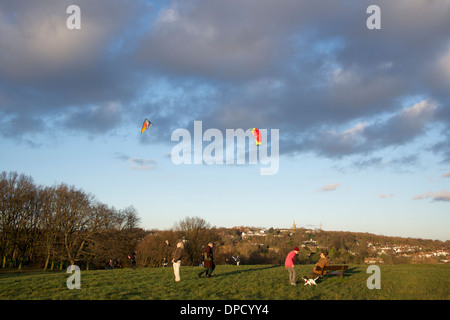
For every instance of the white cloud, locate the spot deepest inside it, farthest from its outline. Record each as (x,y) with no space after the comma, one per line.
(142,164)
(137,163)
(330,187)
(442,195)
(446,175)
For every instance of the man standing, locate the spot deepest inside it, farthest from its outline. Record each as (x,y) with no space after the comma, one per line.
(208,262)
(177,253)
(289,264)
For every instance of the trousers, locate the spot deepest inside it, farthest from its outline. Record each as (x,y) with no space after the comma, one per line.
(176,270)
(292,275)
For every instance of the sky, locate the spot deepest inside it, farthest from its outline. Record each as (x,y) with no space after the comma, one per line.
(363,114)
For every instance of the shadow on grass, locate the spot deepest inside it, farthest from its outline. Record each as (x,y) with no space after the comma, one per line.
(351,271)
(336,274)
(10,273)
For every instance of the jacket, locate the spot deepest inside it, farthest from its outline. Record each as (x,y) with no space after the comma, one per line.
(177,253)
(289,262)
(208,258)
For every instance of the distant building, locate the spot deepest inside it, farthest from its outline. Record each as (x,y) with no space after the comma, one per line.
(373,260)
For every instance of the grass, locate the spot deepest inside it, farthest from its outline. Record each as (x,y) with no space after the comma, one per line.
(229,282)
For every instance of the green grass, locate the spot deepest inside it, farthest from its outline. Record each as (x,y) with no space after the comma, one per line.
(245,282)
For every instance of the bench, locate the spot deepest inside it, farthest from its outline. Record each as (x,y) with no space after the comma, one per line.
(325,271)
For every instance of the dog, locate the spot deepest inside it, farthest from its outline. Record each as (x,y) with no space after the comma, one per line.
(310,282)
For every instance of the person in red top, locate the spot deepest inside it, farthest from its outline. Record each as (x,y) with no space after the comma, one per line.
(289,265)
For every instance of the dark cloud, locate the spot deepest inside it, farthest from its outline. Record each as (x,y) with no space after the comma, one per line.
(47,70)
(97,119)
(309,68)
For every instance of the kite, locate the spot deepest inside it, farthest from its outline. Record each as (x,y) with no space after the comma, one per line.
(257,135)
(147,124)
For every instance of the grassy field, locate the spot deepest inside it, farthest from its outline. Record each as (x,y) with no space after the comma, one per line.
(229,282)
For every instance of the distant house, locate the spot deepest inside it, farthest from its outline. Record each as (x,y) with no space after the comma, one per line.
(445,260)
(373,260)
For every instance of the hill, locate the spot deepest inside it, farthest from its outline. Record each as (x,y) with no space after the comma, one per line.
(247,282)
(271,245)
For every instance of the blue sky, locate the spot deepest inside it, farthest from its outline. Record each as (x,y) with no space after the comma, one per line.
(363,115)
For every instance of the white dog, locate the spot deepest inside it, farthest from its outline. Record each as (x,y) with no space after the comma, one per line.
(310,282)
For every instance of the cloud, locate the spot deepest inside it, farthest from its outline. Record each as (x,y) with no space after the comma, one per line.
(442,148)
(442,195)
(330,187)
(137,163)
(403,126)
(397,129)
(384,196)
(95,119)
(446,175)
(311,69)
(47,71)
(142,164)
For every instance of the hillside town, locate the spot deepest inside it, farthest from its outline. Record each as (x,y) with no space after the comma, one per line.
(268,244)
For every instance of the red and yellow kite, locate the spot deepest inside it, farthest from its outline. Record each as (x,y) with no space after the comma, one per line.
(257,135)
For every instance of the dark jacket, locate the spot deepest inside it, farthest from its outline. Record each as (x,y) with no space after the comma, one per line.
(208,261)
(177,254)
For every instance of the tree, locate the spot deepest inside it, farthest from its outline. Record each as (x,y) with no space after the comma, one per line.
(19,216)
(43,224)
(155,247)
(196,233)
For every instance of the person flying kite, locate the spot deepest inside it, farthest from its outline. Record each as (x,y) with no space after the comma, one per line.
(257,135)
(147,124)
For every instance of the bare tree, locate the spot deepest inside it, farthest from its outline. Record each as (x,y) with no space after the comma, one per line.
(19,216)
(196,233)
(44,224)
(49,226)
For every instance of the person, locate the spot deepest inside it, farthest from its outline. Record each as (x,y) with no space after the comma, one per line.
(208,262)
(323,261)
(132,258)
(289,265)
(176,260)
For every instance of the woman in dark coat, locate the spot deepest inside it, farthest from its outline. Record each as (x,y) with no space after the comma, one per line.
(208,261)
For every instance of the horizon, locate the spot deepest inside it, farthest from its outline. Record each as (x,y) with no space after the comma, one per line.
(283,228)
(358,98)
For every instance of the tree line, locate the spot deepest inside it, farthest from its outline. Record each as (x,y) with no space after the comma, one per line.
(56,226)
